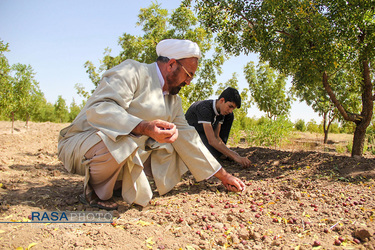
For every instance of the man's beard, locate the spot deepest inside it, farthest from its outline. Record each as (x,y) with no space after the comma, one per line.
(175,90)
(171,80)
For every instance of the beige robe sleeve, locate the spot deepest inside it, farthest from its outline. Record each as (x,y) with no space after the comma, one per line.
(170,161)
(191,149)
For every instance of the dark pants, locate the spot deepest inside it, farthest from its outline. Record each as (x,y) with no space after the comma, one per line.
(224,134)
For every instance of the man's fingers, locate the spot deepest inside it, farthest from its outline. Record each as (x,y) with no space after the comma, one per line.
(163,125)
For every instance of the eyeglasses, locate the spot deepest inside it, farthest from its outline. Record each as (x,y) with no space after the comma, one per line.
(187,73)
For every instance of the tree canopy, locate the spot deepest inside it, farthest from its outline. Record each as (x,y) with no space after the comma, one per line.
(312,41)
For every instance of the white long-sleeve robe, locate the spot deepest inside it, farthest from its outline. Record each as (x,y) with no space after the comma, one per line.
(128,94)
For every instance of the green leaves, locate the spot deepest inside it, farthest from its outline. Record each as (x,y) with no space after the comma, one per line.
(268,89)
(306,40)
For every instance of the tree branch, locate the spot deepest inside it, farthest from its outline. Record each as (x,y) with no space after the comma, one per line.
(250,23)
(285,33)
(346,115)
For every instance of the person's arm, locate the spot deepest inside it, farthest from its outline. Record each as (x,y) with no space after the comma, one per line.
(160,131)
(229,181)
(215,141)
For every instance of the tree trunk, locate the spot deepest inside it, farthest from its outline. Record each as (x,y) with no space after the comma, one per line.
(330,120)
(363,120)
(27,121)
(12,121)
(325,128)
(367,111)
(359,140)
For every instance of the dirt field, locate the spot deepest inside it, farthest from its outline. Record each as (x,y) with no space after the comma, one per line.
(303,197)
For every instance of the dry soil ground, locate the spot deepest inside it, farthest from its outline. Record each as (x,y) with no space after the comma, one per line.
(295,199)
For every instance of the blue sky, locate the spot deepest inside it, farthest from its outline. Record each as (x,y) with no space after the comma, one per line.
(57,37)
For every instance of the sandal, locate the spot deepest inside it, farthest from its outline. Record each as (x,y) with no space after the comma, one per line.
(93,201)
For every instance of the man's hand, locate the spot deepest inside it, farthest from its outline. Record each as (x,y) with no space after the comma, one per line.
(244,161)
(230,182)
(160,131)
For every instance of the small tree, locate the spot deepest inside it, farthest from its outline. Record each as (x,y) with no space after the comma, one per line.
(300,125)
(6,87)
(268,90)
(74,110)
(61,110)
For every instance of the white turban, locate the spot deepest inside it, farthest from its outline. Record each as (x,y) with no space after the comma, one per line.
(178,49)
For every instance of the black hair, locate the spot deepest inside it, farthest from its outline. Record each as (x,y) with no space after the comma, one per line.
(231,95)
(162,59)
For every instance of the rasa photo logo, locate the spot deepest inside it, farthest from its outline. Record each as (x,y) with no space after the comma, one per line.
(71,217)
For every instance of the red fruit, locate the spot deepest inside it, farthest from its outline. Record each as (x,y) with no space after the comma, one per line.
(198,232)
(337,242)
(326,230)
(341,239)
(184,201)
(275,220)
(113,224)
(211,205)
(243,242)
(180,220)
(357,241)
(213,213)
(315,209)
(198,200)
(29,217)
(242,210)
(316,243)
(257,215)
(301,204)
